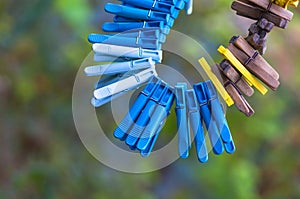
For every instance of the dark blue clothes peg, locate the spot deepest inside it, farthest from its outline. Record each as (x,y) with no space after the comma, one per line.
(156,122)
(152,5)
(125,41)
(136,109)
(143,119)
(168,23)
(215,140)
(219,116)
(126,26)
(136,13)
(152,131)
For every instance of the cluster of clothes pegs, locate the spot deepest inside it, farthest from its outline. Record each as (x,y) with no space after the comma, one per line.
(127,62)
(131,56)
(244,66)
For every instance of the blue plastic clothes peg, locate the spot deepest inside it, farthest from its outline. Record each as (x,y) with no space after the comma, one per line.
(215,140)
(184,142)
(152,5)
(196,124)
(126,26)
(169,22)
(136,109)
(219,116)
(156,123)
(143,119)
(125,41)
(136,13)
(127,52)
(124,85)
(119,67)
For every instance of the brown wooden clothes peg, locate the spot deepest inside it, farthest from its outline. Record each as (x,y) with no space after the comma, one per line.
(234,76)
(247,9)
(234,92)
(259,71)
(242,44)
(273,8)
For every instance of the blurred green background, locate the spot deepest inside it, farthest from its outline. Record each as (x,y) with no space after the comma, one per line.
(42,44)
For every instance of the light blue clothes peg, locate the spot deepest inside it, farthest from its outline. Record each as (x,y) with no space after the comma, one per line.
(123,85)
(215,140)
(184,142)
(126,52)
(125,41)
(126,26)
(136,13)
(136,109)
(144,33)
(219,116)
(119,67)
(196,124)
(156,123)
(144,118)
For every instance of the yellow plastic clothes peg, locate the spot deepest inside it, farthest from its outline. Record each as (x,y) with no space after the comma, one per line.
(239,66)
(220,88)
(286,3)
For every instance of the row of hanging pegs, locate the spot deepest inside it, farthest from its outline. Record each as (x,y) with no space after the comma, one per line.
(127,62)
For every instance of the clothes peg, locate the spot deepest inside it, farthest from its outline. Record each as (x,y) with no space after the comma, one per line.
(136,109)
(219,116)
(189,7)
(195,121)
(234,92)
(151,132)
(184,141)
(179,4)
(258,70)
(129,83)
(144,117)
(245,9)
(169,22)
(107,58)
(126,26)
(242,44)
(239,101)
(129,52)
(136,13)
(273,8)
(119,67)
(210,124)
(237,64)
(230,72)
(144,33)
(286,3)
(216,81)
(139,42)
(152,5)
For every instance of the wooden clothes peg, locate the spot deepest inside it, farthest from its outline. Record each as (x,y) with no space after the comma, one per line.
(239,101)
(234,76)
(249,10)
